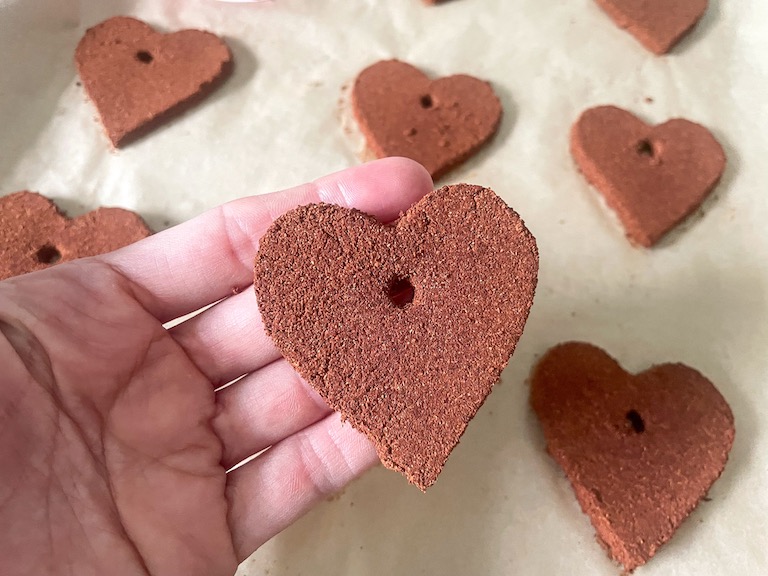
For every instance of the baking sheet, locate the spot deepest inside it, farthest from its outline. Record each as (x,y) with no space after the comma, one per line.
(501,505)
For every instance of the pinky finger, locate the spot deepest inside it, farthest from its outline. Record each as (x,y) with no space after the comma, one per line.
(268,494)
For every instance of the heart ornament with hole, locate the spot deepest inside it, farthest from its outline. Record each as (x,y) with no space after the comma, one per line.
(439,123)
(403,328)
(640,450)
(138,78)
(34,234)
(653,177)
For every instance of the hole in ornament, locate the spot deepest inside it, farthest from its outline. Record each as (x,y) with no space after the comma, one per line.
(645,148)
(144,56)
(636,421)
(426,101)
(401,291)
(48,255)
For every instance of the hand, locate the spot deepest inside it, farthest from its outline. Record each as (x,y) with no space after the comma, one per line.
(114,446)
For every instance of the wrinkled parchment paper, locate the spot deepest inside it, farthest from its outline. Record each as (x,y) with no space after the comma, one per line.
(501,505)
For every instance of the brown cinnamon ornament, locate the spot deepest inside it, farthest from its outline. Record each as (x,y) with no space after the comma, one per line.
(34,234)
(653,177)
(137,78)
(439,123)
(403,328)
(640,450)
(657,24)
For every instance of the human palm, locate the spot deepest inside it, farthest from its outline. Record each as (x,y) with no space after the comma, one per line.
(114,440)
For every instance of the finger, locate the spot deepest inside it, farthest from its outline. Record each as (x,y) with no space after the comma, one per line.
(227,340)
(275,489)
(264,408)
(201,261)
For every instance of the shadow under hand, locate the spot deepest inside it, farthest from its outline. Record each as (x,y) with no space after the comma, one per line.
(383,525)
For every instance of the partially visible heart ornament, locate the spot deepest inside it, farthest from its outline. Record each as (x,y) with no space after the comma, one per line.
(640,451)
(653,177)
(657,24)
(439,123)
(138,78)
(403,328)
(34,234)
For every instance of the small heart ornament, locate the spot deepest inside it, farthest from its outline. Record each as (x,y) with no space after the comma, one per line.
(34,234)
(137,78)
(656,24)
(403,328)
(640,450)
(653,177)
(439,123)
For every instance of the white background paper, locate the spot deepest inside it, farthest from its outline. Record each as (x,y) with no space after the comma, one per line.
(501,505)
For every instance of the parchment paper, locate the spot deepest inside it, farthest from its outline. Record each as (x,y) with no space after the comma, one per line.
(501,505)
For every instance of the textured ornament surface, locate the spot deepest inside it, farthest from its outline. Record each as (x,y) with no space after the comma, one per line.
(34,234)
(640,450)
(403,328)
(653,177)
(137,77)
(439,123)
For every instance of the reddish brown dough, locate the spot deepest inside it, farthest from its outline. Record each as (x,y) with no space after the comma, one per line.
(651,176)
(402,328)
(640,451)
(34,234)
(439,123)
(138,78)
(657,24)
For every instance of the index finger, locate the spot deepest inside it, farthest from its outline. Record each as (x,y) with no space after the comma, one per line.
(186,267)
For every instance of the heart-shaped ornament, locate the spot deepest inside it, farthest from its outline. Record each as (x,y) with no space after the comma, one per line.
(657,24)
(34,234)
(653,177)
(640,451)
(138,78)
(439,123)
(403,328)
